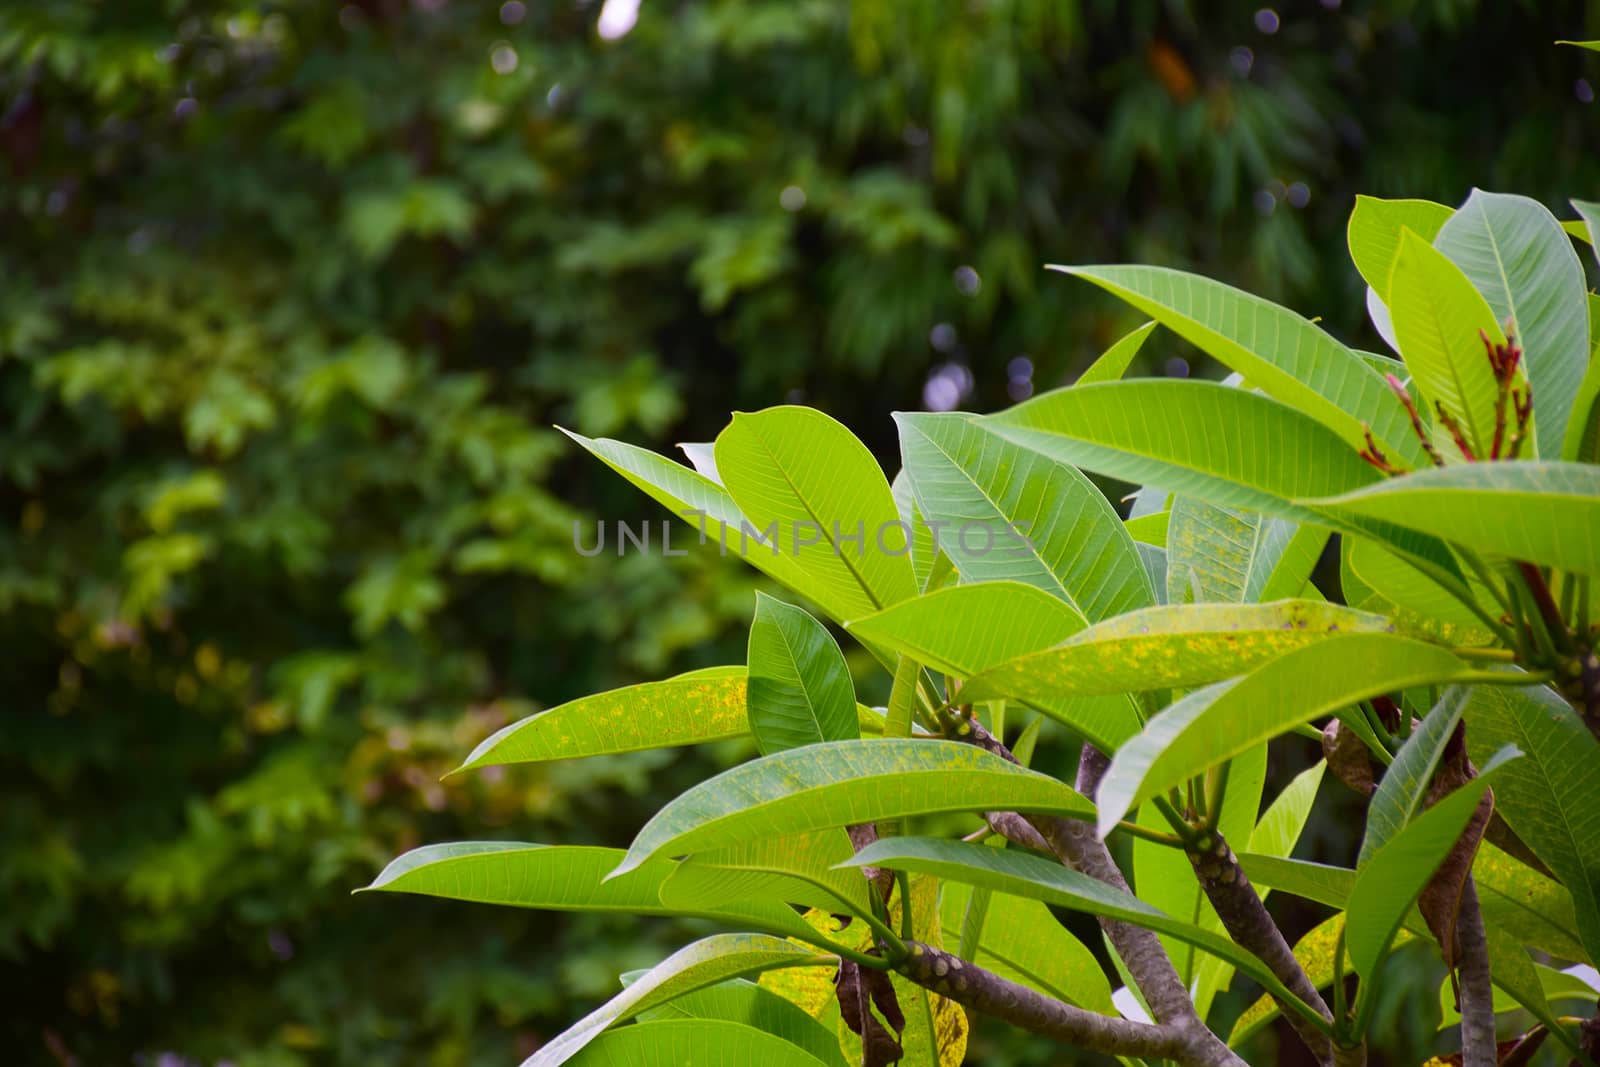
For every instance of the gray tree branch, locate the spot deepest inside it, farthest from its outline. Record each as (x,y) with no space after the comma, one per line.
(1478,1047)
(986,992)
(1245,918)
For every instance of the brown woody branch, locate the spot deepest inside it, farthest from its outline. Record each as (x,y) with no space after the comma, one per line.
(1478,1047)
(1074,843)
(986,992)
(1245,918)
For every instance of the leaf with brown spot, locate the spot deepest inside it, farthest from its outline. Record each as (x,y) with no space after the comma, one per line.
(1440,902)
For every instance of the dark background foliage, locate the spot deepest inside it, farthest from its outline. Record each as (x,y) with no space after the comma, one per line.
(292,293)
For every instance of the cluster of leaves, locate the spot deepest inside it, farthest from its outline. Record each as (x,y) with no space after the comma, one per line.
(292,290)
(1456,686)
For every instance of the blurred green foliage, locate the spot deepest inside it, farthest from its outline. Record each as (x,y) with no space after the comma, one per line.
(293,291)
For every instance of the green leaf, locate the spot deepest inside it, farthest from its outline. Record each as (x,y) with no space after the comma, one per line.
(743,1002)
(677,1042)
(841,783)
(1374,234)
(923,550)
(710,510)
(1022,941)
(800,689)
(1583,429)
(1222,720)
(1113,362)
(792,869)
(703,963)
(1589,211)
(1223,554)
(1388,885)
(962,629)
(1515,253)
(1159,648)
(1007,513)
(1229,446)
(1310,881)
(801,477)
(1281,353)
(1438,318)
(1546,513)
(1405,587)
(1551,799)
(1593,46)
(1150,529)
(703,705)
(557,878)
(1025,875)
(1535,910)
(1405,784)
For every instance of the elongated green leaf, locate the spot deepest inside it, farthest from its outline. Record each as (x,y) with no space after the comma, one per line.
(1311,881)
(841,783)
(743,1002)
(1113,362)
(1438,318)
(557,878)
(923,550)
(963,629)
(677,1042)
(1237,556)
(1525,904)
(1593,46)
(1589,211)
(1583,429)
(1025,875)
(1218,722)
(791,868)
(1150,529)
(1158,648)
(1552,797)
(1228,446)
(1388,885)
(703,963)
(1281,353)
(1417,595)
(800,689)
(704,705)
(1280,826)
(1022,941)
(1374,234)
(708,508)
(1546,513)
(799,474)
(1515,253)
(1405,784)
(1007,513)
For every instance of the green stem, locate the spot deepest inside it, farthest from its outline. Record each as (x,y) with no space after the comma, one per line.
(1498,655)
(906,924)
(1216,789)
(1306,730)
(1156,836)
(1180,825)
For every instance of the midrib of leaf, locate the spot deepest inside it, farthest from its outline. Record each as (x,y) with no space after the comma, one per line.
(816,519)
(1462,401)
(960,469)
